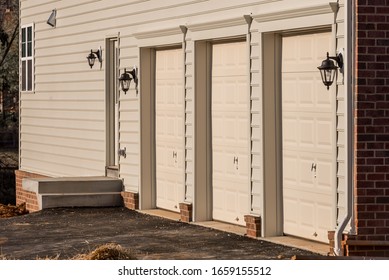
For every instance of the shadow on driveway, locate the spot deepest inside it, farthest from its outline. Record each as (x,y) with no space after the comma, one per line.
(66,232)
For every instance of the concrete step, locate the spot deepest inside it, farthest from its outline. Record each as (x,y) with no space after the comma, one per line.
(72,185)
(75,191)
(82,200)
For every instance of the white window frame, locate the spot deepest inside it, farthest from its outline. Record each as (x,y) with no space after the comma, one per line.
(26,59)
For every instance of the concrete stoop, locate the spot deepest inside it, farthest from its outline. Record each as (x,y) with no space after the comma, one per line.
(75,191)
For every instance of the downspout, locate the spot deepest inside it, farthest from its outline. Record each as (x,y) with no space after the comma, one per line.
(349,131)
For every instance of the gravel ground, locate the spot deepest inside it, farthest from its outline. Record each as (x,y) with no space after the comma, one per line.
(65,232)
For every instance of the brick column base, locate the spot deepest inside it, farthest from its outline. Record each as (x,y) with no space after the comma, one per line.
(186,212)
(23,196)
(253,226)
(331,239)
(131,200)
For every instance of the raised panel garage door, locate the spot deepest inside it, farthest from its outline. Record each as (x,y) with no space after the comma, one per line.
(308,113)
(230,132)
(169,129)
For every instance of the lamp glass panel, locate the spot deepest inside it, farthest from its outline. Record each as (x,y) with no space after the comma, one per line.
(91,60)
(328,75)
(125,84)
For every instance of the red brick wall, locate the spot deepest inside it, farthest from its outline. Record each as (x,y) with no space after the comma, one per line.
(372,125)
(25,196)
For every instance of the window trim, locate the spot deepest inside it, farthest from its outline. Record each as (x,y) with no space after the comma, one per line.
(26,59)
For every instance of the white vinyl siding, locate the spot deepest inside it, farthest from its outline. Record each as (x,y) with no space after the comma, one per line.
(63,126)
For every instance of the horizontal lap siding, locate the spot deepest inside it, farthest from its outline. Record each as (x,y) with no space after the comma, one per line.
(63,122)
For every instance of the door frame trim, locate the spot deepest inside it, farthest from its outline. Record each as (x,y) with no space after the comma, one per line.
(147,73)
(109,100)
(272,205)
(176,47)
(203,170)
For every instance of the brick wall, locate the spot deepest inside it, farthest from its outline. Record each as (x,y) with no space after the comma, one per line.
(25,196)
(372,129)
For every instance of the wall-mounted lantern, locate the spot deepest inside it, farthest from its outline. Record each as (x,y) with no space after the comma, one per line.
(93,55)
(328,69)
(126,78)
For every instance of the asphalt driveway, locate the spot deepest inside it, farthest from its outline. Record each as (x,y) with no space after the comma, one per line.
(66,232)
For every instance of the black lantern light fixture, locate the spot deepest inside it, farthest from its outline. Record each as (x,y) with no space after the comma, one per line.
(93,55)
(126,78)
(328,69)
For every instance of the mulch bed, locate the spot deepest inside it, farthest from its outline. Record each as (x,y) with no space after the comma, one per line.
(8,211)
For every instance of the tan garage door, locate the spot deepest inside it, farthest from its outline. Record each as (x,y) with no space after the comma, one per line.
(230,132)
(308,114)
(169,129)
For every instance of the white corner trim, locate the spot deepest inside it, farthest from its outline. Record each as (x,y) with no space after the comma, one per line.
(294,13)
(230,22)
(159,33)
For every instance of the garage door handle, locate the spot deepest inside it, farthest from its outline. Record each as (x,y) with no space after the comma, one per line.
(313,167)
(236,160)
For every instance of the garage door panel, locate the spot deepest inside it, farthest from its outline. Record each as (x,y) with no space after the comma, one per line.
(324,98)
(244,165)
(323,211)
(291,98)
(292,204)
(243,128)
(289,174)
(290,129)
(307,132)
(324,139)
(229,59)
(322,45)
(307,213)
(169,129)
(324,173)
(230,132)
(305,169)
(223,164)
(303,91)
(302,52)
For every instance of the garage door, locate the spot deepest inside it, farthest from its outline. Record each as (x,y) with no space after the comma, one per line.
(230,132)
(169,129)
(308,139)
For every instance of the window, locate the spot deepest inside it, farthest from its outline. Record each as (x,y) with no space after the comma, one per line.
(27,49)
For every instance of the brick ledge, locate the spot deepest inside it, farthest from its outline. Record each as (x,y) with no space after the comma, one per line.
(366,243)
